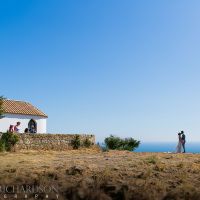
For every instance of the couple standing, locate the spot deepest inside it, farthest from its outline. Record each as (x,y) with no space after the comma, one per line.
(181,143)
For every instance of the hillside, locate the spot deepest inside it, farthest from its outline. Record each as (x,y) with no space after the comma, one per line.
(92,174)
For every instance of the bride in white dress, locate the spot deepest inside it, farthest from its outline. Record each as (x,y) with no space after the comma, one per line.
(179,146)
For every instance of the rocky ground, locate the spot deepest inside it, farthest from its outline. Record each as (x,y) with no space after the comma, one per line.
(92,174)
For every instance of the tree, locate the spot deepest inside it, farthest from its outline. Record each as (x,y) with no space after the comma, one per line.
(117,143)
(1,107)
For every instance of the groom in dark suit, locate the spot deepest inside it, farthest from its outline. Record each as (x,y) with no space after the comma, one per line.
(183,140)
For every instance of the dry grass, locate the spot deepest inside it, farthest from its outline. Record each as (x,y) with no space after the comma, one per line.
(92,174)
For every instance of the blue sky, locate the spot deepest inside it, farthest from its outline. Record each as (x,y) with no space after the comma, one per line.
(128,68)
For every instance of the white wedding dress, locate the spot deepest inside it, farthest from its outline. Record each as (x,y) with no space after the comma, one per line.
(179,146)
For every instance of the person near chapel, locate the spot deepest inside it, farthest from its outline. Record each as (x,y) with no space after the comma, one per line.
(32,129)
(26,130)
(15,128)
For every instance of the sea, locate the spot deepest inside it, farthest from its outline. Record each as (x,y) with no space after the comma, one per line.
(169,147)
(191,147)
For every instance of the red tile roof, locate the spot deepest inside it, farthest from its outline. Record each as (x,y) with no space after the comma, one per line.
(21,107)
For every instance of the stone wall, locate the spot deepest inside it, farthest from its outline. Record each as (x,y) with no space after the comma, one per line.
(49,141)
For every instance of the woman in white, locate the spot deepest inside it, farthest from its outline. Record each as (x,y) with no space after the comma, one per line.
(179,146)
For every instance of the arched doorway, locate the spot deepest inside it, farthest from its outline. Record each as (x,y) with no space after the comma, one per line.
(32,126)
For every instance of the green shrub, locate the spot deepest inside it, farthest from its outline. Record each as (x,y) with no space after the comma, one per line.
(112,142)
(117,143)
(2,146)
(87,143)
(8,141)
(76,142)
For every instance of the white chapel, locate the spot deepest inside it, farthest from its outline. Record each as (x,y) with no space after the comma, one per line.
(24,112)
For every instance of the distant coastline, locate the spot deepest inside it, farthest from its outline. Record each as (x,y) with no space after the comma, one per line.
(160,147)
(191,147)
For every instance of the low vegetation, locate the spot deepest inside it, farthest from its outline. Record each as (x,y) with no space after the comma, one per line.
(8,141)
(116,143)
(76,142)
(87,143)
(95,175)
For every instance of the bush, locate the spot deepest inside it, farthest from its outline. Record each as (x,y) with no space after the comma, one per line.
(76,142)
(8,141)
(87,143)
(117,143)
(2,146)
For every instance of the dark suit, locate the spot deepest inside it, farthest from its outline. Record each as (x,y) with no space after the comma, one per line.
(183,142)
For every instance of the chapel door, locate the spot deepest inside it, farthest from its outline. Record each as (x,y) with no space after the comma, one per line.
(32,126)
